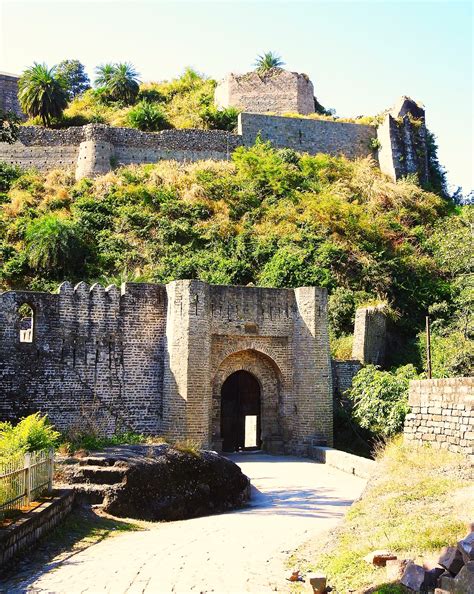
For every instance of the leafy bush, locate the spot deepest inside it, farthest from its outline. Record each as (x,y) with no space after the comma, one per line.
(380,398)
(219,119)
(341,346)
(31,434)
(8,174)
(148,117)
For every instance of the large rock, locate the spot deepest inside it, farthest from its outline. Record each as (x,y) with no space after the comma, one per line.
(466,547)
(464,581)
(169,484)
(451,559)
(413,577)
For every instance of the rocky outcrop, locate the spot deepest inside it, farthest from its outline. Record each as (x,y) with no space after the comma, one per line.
(158,482)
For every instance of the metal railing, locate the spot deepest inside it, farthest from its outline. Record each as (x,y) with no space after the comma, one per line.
(24,478)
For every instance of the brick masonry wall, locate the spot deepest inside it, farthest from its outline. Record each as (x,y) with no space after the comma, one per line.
(9,93)
(442,414)
(306,135)
(96,359)
(343,372)
(277,91)
(154,359)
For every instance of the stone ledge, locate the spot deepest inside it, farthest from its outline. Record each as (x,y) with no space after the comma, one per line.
(22,534)
(344,461)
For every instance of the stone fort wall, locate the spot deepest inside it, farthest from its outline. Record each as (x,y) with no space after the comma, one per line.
(95,149)
(276,91)
(442,414)
(9,93)
(153,358)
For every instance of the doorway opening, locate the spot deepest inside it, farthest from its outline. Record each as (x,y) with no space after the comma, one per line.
(240,412)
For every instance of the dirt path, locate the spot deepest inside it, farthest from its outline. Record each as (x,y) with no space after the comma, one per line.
(244,551)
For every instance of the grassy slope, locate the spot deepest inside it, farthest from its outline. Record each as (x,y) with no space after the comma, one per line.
(418,501)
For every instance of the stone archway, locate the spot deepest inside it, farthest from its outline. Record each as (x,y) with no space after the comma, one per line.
(240,412)
(267,377)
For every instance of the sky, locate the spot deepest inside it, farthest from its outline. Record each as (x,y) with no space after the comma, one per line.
(361,56)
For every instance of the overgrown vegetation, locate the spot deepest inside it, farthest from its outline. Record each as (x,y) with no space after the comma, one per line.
(119,99)
(31,434)
(417,502)
(270,217)
(380,399)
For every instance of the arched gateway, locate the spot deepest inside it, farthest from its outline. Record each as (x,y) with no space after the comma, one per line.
(240,412)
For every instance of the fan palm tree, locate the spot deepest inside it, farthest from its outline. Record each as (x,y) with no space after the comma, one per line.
(41,94)
(104,73)
(267,61)
(120,81)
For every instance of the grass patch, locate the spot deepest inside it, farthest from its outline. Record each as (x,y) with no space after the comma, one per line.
(417,502)
(74,442)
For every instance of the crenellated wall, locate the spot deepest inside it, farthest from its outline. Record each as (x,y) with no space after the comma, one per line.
(96,357)
(153,358)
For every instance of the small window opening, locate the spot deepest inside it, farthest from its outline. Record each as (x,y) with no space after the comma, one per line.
(26,322)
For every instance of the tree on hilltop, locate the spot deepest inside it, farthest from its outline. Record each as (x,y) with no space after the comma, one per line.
(120,81)
(41,94)
(73,77)
(267,61)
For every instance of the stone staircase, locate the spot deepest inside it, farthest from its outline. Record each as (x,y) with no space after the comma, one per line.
(92,477)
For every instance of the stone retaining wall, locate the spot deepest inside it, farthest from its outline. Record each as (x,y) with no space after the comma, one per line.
(442,414)
(344,461)
(343,373)
(25,532)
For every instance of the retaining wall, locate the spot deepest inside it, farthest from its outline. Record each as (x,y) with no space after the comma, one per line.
(442,414)
(25,532)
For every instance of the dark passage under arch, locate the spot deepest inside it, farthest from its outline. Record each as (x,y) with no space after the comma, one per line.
(240,412)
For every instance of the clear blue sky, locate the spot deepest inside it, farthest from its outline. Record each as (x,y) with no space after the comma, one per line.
(360,55)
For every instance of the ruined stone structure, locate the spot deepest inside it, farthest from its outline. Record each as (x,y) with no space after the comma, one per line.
(442,414)
(168,359)
(277,91)
(403,141)
(9,93)
(370,335)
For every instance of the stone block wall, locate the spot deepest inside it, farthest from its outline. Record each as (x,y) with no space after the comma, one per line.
(442,414)
(370,335)
(403,145)
(9,93)
(95,149)
(276,91)
(308,135)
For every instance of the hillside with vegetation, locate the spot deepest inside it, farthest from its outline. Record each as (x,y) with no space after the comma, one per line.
(268,217)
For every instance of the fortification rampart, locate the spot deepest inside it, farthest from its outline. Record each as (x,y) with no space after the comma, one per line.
(95,149)
(9,93)
(307,135)
(276,91)
(370,335)
(154,359)
(442,414)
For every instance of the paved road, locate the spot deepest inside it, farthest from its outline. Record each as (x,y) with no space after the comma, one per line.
(244,551)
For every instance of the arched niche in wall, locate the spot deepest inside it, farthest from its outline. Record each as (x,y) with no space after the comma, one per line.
(27,322)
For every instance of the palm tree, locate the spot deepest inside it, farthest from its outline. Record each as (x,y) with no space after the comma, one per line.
(267,61)
(120,81)
(104,74)
(41,94)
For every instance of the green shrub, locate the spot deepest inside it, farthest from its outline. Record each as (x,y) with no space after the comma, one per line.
(148,117)
(8,174)
(380,398)
(219,119)
(31,434)
(341,346)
